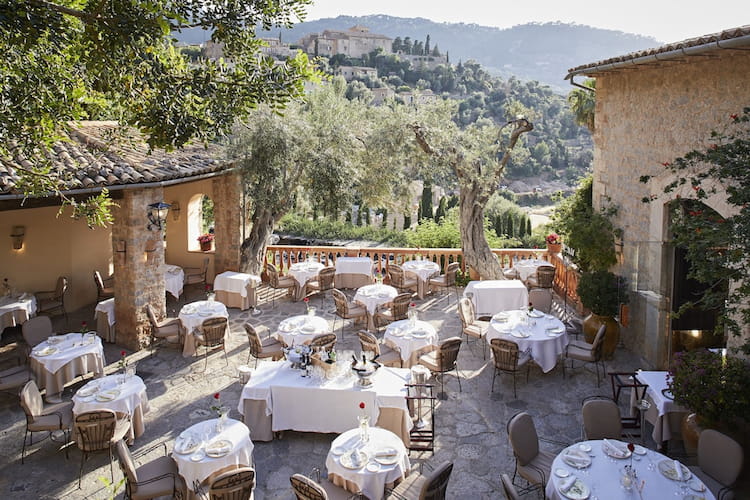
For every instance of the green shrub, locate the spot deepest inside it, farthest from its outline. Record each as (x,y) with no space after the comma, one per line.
(325,229)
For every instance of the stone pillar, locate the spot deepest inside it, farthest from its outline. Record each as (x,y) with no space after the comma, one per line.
(227,196)
(138,255)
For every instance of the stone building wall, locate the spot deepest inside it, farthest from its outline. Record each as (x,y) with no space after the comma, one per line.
(647,115)
(227,192)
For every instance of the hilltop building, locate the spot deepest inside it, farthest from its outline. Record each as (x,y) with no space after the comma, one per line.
(355,42)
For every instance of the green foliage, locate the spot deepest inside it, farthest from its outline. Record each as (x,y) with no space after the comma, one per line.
(425,204)
(716,244)
(112,488)
(588,232)
(207,214)
(446,234)
(602,292)
(442,209)
(583,104)
(327,230)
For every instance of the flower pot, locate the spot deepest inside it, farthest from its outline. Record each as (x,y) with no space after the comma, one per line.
(554,247)
(691,428)
(206,246)
(611,335)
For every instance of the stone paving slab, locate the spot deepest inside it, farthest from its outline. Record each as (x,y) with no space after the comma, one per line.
(470,424)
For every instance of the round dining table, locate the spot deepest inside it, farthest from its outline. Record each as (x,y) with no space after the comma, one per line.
(123,394)
(423,270)
(367,466)
(595,469)
(527,267)
(303,272)
(543,335)
(16,310)
(371,296)
(202,451)
(301,329)
(193,315)
(413,340)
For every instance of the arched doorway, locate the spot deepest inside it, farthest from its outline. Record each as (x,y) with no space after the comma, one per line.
(200,222)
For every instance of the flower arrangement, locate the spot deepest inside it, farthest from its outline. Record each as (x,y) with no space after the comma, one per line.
(217,406)
(531,307)
(711,385)
(206,238)
(84,327)
(553,239)
(306,300)
(123,363)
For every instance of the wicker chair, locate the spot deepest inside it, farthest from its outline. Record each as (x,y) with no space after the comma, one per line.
(443,360)
(346,310)
(508,360)
(157,478)
(307,489)
(236,484)
(41,418)
(544,277)
(395,310)
(53,302)
(212,335)
(279,282)
(96,431)
(399,279)
(588,353)
(324,341)
(163,330)
(104,287)
(541,299)
(470,325)
(446,280)
(323,283)
(260,349)
(387,355)
(419,486)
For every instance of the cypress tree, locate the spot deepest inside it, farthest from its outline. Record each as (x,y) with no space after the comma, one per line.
(407,221)
(441,209)
(498,225)
(425,206)
(528,225)
(511,231)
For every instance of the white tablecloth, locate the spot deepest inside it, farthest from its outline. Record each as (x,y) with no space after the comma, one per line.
(354,265)
(547,336)
(131,399)
(196,472)
(301,329)
(603,477)
(192,317)
(304,271)
(74,355)
(230,281)
(15,311)
(491,296)
(665,415)
(289,397)
(527,267)
(402,334)
(371,296)
(174,279)
(423,270)
(370,482)
(106,307)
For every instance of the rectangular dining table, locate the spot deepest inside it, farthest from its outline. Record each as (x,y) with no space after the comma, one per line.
(664,414)
(235,289)
(278,398)
(493,296)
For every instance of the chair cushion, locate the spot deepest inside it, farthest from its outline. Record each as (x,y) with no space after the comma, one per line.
(356,310)
(287,282)
(581,344)
(430,360)
(411,487)
(161,487)
(168,330)
(475,330)
(270,343)
(578,353)
(49,419)
(438,280)
(389,357)
(334,492)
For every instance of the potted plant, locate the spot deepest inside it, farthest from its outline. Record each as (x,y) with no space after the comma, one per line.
(602,292)
(206,241)
(554,243)
(713,386)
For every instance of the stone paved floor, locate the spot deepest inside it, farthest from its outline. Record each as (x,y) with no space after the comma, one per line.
(470,424)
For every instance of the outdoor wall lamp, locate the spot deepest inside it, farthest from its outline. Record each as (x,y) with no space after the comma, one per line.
(175,208)
(17,236)
(157,215)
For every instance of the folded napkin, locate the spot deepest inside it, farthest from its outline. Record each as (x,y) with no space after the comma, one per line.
(187,443)
(568,483)
(678,470)
(219,447)
(577,458)
(615,448)
(387,453)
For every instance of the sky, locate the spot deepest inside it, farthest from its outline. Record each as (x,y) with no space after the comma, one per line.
(665,20)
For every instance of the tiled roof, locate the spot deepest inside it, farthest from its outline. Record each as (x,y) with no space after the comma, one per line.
(719,41)
(99,154)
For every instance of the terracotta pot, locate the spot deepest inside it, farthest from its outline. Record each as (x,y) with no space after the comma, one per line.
(205,246)
(554,247)
(611,335)
(691,429)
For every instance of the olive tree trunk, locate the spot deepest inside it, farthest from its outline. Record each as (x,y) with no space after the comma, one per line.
(253,249)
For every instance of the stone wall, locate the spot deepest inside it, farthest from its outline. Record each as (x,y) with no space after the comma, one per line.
(138,255)
(227,196)
(647,115)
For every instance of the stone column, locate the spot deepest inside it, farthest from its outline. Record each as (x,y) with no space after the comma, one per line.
(227,196)
(138,255)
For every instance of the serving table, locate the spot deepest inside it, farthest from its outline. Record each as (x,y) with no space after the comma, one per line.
(301,329)
(303,272)
(236,289)
(371,296)
(492,296)
(664,414)
(353,272)
(104,314)
(123,394)
(192,317)
(61,358)
(423,270)
(595,473)
(174,279)
(386,464)
(16,310)
(202,452)
(412,340)
(541,334)
(278,398)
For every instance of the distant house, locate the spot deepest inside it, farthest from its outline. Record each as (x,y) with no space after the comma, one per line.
(418,96)
(653,106)
(380,94)
(351,72)
(424,62)
(355,42)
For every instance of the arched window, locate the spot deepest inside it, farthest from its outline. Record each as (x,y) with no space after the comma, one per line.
(200,222)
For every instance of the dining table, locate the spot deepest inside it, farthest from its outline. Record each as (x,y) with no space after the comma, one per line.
(664,414)
(174,279)
(422,270)
(540,334)
(235,289)
(372,296)
(367,464)
(528,267)
(104,314)
(125,394)
(353,272)
(15,311)
(193,315)
(301,329)
(302,272)
(492,296)
(277,397)
(598,469)
(206,449)
(61,358)
(412,338)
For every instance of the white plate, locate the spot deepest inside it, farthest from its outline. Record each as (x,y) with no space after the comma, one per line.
(579,491)
(46,351)
(666,467)
(373,467)
(419,334)
(198,456)
(186,445)
(561,473)
(698,486)
(338,451)
(347,459)
(555,330)
(106,396)
(639,450)
(584,448)
(582,462)
(607,451)
(397,333)
(520,335)
(386,456)
(219,448)
(88,390)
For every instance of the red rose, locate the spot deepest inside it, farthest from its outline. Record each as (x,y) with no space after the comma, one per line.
(412,305)
(631,447)
(216,396)
(122,353)
(362,405)
(83,324)
(306,299)
(733,116)
(208,287)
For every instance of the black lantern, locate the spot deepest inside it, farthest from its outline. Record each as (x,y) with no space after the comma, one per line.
(157,215)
